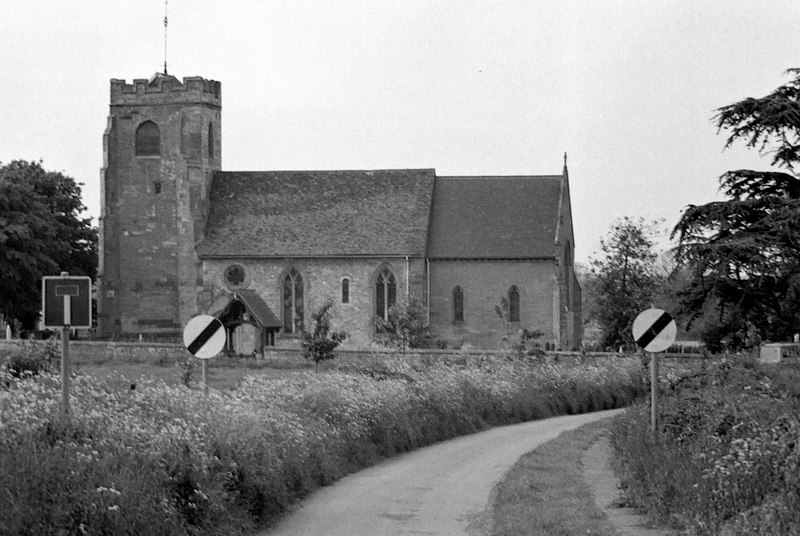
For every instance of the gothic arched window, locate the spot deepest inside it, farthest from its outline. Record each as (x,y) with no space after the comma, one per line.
(293,314)
(210,140)
(148,140)
(513,304)
(385,294)
(458,304)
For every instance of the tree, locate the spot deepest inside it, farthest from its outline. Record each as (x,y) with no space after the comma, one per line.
(744,253)
(503,312)
(586,280)
(625,279)
(41,233)
(320,344)
(526,342)
(408,326)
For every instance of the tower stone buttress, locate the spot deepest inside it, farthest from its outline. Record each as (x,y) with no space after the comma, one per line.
(161,146)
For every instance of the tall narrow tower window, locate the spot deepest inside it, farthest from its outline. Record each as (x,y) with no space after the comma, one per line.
(148,140)
(568,273)
(513,304)
(458,304)
(211,140)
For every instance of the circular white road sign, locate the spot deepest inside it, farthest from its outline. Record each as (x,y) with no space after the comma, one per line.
(654,330)
(204,336)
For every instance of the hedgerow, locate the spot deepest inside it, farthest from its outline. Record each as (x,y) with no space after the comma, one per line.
(726,455)
(162,459)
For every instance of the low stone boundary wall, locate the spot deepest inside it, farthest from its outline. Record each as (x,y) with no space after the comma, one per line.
(153,352)
(100,351)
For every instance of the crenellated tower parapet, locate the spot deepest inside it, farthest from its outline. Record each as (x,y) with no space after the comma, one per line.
(166,89)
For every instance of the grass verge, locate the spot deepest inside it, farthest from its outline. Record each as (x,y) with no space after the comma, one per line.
(545,492)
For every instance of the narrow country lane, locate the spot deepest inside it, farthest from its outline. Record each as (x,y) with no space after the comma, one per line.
(441,490)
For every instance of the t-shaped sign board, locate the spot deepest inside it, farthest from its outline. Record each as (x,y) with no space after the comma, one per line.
(67,301)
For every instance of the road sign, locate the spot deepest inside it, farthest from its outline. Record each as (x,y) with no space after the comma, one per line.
(204,336)
(654,330)
(67,301)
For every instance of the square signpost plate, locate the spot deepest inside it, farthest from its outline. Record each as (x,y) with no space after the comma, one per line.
(66,304)
(67,301)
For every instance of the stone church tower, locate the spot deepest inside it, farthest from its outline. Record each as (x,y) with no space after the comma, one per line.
(161,147)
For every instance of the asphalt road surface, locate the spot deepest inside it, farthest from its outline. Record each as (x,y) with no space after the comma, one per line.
(441,490)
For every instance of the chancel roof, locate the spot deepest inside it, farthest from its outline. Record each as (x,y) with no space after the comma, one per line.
(494,217)
(318,213)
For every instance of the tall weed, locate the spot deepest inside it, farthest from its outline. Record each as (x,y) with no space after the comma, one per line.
(166,460)
(30,359)
(725,458)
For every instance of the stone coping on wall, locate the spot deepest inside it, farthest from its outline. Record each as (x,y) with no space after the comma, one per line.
(159,351)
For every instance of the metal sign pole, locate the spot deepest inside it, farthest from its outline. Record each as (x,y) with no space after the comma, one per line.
(65,350)
(654,331)
(204,372)
(65,369)
(653,392)
(66,304)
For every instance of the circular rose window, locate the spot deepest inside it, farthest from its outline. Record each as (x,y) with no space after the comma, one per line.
(235,276)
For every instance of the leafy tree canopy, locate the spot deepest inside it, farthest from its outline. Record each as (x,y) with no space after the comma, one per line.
(41,233)
(408,326)
(320,344)
(625,279)
(744,252)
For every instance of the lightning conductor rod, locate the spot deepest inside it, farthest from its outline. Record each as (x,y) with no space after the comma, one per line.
(166,3)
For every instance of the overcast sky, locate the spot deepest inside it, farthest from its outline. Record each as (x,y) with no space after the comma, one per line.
(627,88)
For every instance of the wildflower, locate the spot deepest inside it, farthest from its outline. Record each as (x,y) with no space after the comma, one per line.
(103,489)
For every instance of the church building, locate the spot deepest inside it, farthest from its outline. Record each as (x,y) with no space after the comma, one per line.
(263,250)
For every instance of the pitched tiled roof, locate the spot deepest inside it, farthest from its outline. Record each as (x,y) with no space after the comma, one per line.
(494,217)
(259,308)
(318,213)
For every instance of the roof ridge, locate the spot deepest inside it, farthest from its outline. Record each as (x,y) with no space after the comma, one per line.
(327,170)
(498,176)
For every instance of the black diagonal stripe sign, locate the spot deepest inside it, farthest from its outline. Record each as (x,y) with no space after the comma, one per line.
(654,330)
(204,336)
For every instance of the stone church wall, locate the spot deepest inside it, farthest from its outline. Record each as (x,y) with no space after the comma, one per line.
(483,283)
(322,278)
(569,306)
